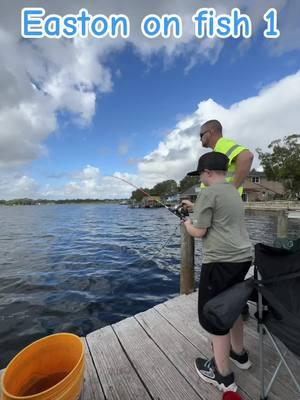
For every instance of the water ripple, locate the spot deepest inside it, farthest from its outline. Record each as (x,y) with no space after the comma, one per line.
(77,268)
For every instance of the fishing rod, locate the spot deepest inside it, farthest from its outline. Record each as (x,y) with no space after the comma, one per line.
(176,212)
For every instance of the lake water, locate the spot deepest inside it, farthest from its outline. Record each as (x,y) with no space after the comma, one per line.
(77,268)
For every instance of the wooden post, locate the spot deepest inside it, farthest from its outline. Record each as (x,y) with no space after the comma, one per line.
(282,225)
(187,281)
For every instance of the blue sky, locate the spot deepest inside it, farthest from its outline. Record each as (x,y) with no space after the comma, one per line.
(142,105)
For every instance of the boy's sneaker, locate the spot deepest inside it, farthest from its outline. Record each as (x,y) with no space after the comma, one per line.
(240,360)
(207,370)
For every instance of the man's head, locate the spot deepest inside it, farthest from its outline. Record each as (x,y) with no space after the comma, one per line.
(210,133)
(212,168)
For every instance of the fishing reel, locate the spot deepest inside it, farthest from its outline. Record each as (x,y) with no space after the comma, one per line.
(181,211)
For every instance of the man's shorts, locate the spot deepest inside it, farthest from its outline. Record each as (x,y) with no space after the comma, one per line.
(214,279)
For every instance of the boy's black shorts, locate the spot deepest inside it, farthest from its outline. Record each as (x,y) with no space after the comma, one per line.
(214,279)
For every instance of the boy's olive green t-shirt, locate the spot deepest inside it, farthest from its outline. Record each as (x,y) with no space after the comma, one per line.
(220,209)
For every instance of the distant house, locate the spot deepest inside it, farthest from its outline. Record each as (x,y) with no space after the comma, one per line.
(172,199)
(191,193)
(152,202)
(258,188)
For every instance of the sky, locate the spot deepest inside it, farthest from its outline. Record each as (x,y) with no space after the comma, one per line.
(75,112)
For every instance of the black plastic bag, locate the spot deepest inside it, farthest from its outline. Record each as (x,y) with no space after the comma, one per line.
(223,310)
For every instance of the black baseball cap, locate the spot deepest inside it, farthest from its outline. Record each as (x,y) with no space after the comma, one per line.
(212,161)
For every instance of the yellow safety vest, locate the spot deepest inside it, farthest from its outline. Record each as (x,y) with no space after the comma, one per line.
(231,149)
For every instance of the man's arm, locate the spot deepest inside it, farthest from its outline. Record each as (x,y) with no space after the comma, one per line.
(243,164)
(195,232)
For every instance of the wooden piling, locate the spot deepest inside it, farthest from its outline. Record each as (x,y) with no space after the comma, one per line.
(187,280)
(282,225)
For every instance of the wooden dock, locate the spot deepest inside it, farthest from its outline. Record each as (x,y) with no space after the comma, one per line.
(291,207)
(151,356)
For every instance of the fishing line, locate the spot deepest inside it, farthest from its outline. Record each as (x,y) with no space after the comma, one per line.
(145,262)
(163,246)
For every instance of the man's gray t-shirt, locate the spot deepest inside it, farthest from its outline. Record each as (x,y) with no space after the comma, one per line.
(220,209)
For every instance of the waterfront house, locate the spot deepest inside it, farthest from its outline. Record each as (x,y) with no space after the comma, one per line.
(172,199)
(258,188)
(191,193)
(150,202)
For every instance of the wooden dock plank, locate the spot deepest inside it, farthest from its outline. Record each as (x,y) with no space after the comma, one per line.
(189,305)
(178,350)
(271,358)
(180,312)
(117,376)
(161,377)
(92,389)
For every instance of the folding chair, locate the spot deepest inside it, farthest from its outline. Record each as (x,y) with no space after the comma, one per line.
(277,273)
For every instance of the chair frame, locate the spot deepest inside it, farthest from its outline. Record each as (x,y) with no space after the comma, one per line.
(264,391)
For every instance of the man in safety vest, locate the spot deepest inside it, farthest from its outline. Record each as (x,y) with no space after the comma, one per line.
(240,160)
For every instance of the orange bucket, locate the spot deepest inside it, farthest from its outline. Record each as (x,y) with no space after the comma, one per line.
(50,368)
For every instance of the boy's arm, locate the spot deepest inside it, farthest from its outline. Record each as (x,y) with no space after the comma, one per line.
(195,232)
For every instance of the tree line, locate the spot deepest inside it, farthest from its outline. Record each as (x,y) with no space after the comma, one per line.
(282,164)
(32,202)
(166,188)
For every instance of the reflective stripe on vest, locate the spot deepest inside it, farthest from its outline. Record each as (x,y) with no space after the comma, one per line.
(230,174)
(231,168)
(231,150)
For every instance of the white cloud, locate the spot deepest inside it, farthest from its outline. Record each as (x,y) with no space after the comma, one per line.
(42,77)
(12,187)
(23,128)
(253,122)
(90,183)
(53,75)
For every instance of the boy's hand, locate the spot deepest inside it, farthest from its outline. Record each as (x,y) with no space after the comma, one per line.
(188,203)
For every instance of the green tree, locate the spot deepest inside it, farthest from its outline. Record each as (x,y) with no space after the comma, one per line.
(283,163)
(165,188)
(137,195)
(187,182)
(162,189)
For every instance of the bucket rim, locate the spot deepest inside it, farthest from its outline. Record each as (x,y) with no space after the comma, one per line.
(4,391)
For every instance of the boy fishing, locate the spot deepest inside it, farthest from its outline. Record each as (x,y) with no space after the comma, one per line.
(227,254)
